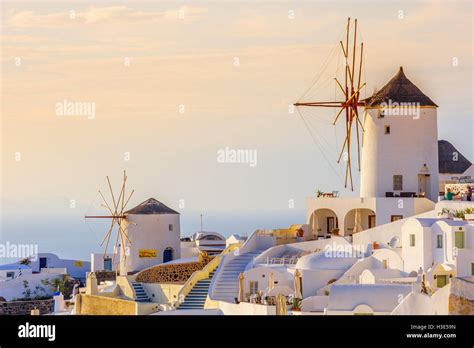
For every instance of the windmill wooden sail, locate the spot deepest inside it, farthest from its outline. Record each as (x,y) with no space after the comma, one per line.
(116,214)
(350,87)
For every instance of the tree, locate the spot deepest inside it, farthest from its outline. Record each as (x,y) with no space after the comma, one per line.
(26,261)
(61,284)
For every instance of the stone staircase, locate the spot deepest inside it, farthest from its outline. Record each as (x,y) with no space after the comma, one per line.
(140,294)
(227,285)
(196,298)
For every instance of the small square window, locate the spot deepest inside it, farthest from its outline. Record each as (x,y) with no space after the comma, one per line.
(253,287)
(439,241)
(170,227)
(394,218)
(387,129)
(459,240)
(398,182)
(412,240)
(10,274)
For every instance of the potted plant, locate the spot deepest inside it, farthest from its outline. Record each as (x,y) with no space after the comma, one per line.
(458,215)
(445,213)
(247,297)
(300,232)
(319,193)
(258,297)
(375,245)
(469,213)
(335,231)
(296,304)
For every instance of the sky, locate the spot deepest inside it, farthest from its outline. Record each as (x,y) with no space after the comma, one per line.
(173,83)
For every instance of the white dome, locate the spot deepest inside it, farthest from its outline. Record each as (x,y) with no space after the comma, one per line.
(326,261)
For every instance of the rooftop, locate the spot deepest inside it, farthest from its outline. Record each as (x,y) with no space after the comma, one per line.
(401,90)
(449,164)
(151,206)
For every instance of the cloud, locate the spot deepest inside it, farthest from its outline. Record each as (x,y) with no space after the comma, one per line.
(95,15)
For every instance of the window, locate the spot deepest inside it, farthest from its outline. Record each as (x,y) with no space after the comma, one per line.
(385,264)
(459,240)
(253,287)
(396,217)
(472,269)
(439,241)
(398,182)
(371,221)
(107,264)
(412,240)
(170,227)
(387,129)
(10,274)
(441,281)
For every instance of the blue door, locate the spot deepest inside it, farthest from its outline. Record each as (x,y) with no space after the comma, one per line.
(43,262)
(168,255)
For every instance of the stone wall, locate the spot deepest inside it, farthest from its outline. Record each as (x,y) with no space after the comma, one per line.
(101,305)
(461,298)
(102,276)
(25,307)
(173,273)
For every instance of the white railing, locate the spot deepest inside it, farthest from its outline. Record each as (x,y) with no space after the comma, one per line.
(280,261)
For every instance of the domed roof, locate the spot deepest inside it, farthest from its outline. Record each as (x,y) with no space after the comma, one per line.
(151,206)
(323,260)
(400,90)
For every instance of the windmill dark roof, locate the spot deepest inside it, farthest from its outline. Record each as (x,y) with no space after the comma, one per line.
(447,164)
(151,206)
(401,90)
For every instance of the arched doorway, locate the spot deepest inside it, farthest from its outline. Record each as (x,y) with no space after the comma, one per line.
(322,222)
(365,218)
(168,255)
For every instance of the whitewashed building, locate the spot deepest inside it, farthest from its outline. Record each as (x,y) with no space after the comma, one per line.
(399,165)
(153,231)
(443,248)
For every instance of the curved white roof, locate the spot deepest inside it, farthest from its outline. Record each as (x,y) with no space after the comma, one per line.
(326,261)
(428,222)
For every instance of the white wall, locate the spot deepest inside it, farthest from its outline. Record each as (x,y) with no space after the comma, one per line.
(440,300)
(75,268)
(14,288)
(410,144)
(149,232)
(97,261)
(415,304)
(245,308)
(281,276)
(383,207)
(419,255)
(314,304)
(313,280)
